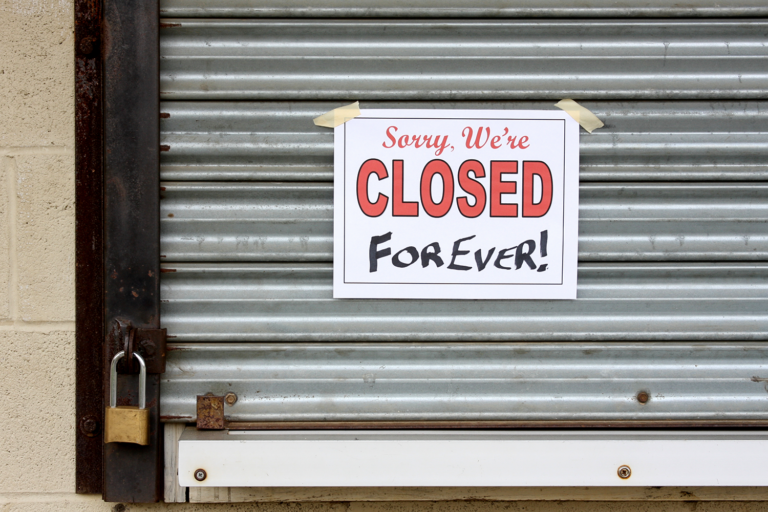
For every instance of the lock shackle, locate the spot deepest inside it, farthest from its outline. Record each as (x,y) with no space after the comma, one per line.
(113,380)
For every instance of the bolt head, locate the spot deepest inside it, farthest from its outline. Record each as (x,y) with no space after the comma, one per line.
(87,45)
(148,348)
(230,398)
(643,397)
(200,475)
(624,472)
(89,425)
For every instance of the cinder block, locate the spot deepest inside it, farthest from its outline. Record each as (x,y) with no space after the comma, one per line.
(6,167)
(37,384)
(73,503)
(45,246)
(37,73)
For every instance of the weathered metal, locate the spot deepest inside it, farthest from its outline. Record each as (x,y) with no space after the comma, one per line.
(642,141)
(469,385)
(463,60)
(459,9)
(149,342)
(617,222)
(132,473)
(672,249)
(292,302)
(496,425)
(89,314)
(210,412)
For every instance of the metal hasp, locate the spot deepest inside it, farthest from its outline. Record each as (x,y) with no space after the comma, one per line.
(89,285)
(132,473)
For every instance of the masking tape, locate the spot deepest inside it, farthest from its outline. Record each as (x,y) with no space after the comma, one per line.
(584,117)
(338,116)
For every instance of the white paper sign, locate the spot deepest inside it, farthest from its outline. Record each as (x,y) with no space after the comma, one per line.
(456,204)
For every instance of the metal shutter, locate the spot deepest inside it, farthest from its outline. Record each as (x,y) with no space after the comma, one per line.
(673,238)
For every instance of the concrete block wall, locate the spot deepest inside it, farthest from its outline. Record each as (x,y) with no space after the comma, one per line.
(37,356)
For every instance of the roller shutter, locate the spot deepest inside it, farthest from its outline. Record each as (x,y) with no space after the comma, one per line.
(673,229)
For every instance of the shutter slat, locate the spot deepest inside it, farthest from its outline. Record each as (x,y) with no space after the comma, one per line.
(455,60)
(458,8)
(617,222)
(277,141)
(293,302)
(481,381)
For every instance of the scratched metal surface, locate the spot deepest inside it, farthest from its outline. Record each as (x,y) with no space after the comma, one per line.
(459,8)
(463,60)
(673,272)
(482,381)
(293,302)
(617,222)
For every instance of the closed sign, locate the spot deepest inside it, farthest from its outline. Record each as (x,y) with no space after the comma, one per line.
(456,204)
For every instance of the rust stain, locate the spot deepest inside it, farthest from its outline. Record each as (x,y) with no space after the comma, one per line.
(210,412)
(165,147)
(169,25)
(166,270)
(170,215)
(164,115)
(135,294)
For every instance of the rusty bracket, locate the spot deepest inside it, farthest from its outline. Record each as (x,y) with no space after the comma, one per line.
(149,342)
(210,412)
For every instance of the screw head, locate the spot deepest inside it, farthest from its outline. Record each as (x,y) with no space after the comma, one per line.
(148,347)
(624,472)
(89,425)
(200,475)
(230,398)
(87,45)
(643,397)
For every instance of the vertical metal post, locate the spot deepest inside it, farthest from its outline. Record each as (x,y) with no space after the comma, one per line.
(88,246)
(132,473)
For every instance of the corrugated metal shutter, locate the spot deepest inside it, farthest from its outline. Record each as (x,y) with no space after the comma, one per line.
(673,238)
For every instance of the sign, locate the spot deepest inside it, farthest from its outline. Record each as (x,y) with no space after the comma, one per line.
(456,204)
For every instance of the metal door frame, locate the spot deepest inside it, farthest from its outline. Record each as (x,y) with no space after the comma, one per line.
(117,232)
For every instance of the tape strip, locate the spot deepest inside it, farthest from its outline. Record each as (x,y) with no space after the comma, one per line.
(584,117)
(338,116)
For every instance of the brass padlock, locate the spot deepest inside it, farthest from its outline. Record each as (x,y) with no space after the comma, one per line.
(127,424)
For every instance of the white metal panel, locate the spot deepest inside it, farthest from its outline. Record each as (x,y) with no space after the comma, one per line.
(435,458)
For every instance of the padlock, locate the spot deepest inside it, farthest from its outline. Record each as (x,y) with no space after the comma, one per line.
(127,424)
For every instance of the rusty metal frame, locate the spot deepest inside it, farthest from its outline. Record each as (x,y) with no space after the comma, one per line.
(89,319)
(117,235)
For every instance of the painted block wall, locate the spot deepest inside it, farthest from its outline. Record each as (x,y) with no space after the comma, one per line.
(37,365)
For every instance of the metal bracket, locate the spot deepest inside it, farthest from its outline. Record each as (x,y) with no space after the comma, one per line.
(149,342)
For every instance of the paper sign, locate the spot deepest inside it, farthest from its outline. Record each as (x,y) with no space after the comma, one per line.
(456,204)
